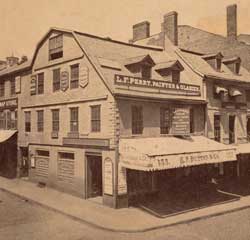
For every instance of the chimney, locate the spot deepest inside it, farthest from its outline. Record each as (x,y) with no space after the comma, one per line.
(170,27)
(232,22)
(11,61)
(141,31)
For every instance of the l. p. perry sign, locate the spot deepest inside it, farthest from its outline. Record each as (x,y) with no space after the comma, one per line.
(188,89)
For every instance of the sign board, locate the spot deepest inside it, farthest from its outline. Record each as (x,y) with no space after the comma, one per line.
(18,84)
(181,121)
(180,88)
(33,85)
(83,76)
(64,80)
(122,180)
(11,103)
(108,176)
(133,161)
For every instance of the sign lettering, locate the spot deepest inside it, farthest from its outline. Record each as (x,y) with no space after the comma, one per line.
(108,176)
(181,121)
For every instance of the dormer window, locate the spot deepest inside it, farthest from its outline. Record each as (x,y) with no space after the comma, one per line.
(170,70)
(214,60)
(141,66)
(56,47)
(233,64)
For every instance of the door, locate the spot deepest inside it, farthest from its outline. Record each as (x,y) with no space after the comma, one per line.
(24,169)
(94,176)
(231,129)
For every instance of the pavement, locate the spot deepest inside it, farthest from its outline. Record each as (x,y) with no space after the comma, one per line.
(127,220)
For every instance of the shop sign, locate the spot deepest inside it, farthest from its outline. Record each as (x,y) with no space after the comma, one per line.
(181,88)
(64,80)
(108,176)
(83,76)
(122,180)
(176,161)
(8,103)
(181,121)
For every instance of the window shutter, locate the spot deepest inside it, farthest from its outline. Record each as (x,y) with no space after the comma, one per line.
(83,76)
(33,85)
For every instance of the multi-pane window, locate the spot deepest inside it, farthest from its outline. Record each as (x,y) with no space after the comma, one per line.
(2,89)
(96,118)
(56,79)
(27,121)
(12,86)
(74,76)
(2,120)
(40,83)
(56,47)
(55,120)
(175,76)
(146,71)
(217,134)
(40,121)
(74,119)
(164,120)
(137,120)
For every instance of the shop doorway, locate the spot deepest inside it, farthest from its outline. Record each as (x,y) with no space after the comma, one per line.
(94,176)
(24,164)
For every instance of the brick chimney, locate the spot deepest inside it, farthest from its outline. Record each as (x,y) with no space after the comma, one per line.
(11,61)
(141,31)
(170,27)
(232,22)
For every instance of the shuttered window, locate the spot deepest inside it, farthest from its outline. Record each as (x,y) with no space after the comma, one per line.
(74,76)
(55,120)
(40,121)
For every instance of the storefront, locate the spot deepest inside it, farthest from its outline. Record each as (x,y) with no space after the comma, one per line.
(244,161)
(165,165)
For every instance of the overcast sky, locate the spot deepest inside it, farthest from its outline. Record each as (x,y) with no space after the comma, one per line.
(24,22)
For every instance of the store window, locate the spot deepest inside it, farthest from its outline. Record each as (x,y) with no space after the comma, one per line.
(13,119)
(164,120)
(27,121)
(137,119)
(12,86)
(96,118)
(56,47)
(248,129)
(217,130)
(55,120)
(2,89)
(40,83)
(74,119)
(2,120)
(74,76)
(40,120)
(56,79)
(8,119)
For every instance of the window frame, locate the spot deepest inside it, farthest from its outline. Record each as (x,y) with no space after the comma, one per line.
(27,116)
(56,51)
(137,120)
(74,80)
(2,88)
(95,118)
(56,82)
(164,124)
(55,122)
(40,120)
(74,123)
(12,86)
(40,83)
(217,128)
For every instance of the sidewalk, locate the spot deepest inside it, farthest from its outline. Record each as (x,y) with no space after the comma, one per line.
(119,220)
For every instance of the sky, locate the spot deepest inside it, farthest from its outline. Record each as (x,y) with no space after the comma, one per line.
(24,22)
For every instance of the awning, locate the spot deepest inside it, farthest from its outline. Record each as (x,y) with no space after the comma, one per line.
(149,154)
(234,92)
(219,89)
(243,148)
(6,134)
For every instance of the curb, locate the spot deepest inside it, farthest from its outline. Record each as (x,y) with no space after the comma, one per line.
(92,224)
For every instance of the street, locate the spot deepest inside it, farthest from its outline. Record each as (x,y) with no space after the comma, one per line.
(22,220)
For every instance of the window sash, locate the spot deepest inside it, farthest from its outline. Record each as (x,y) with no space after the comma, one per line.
(137,120)
(55,120)
(2,90)
(96,118)
(164,120)
(74,120)
(40,121)
(40,83)
(12,87)
(74,76)
(56,79)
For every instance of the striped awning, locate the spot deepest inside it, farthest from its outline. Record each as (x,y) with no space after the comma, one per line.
(150,154)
